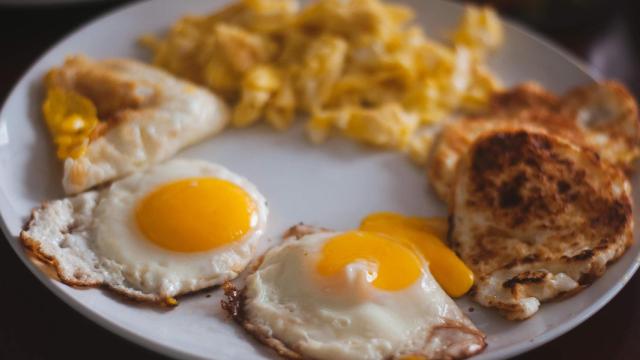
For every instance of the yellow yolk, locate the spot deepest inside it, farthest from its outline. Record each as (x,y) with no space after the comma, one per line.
(424,235)
(195,214)
(71,119)
(397,266)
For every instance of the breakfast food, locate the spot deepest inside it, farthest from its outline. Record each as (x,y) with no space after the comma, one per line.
(426,237)
(357,67)
(607,115)
(112,117)
(538,199)
(178,227)
(453,142)
(602,116)
(536,218)
(316,297)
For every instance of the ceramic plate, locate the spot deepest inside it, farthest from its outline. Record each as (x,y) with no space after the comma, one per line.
(333,185)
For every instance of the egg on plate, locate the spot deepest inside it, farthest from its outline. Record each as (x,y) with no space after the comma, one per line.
(178,227)
(360,68)
(109,118)
(537,218)
(350,295)
(602,116)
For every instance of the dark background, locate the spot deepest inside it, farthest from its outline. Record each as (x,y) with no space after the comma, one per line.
(34,324)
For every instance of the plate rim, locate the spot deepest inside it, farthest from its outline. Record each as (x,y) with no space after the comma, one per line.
(163,349)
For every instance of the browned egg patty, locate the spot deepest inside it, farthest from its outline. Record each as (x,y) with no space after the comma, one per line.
(536,217)
(601,116)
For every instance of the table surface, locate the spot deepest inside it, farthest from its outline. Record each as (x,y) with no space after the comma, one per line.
(37,325)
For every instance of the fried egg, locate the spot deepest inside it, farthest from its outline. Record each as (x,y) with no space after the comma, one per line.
(602,116)
(110,118)
(425,236)
(176,228)
(350,295)
(537,218)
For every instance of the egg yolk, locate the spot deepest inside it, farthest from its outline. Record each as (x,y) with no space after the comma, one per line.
(397,266)
(71,119)
(424,235)
(195,214)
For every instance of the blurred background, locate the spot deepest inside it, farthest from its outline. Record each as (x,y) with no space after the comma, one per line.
(605,34)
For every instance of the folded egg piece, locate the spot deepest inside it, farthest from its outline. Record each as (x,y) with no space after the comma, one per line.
(112,117)
(350,295)
(178,227)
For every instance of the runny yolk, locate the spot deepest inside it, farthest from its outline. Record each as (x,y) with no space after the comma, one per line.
(195,214)
(396,266)
(72,119)
(424,235)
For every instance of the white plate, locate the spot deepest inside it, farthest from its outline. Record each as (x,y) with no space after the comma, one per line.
(333,185)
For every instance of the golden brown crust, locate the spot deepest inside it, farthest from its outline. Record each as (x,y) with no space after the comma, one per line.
(300,230)
(601,116)
(460,346)
(608,110)
(235,299)
(110,90)
(521,198)
(528,206)
(147,116)
(35,248)
(455,140)
(527,95)
(234,306)
(460,350)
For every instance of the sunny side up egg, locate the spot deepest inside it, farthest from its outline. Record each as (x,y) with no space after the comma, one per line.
(351,295)
(178,227)
(425,237)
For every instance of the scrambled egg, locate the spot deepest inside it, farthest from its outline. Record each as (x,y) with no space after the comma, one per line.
(357,67)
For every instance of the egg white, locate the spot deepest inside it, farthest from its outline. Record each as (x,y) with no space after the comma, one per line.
(93,238)
(284,300)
